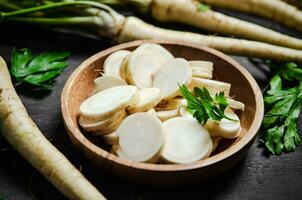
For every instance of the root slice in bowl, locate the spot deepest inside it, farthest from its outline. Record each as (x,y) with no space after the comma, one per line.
(186,141)
(107,81)
(141,137)
(105,103)
(224,128)
(174,72)
(148,98)
(113,64)
(142,64)
(103,127)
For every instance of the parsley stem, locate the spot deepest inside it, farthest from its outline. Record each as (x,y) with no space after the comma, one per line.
(57,5)
(57,21)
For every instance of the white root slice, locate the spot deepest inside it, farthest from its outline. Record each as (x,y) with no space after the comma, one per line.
(141,137)
(111,138)
(103,127)
(200,73)
(107,102)
(212,85)
(174,72)
(216,141)
(142,64)
(107,81)
(186,141)
(156,48)
(148,98)
(235,104)
(114,65)
(170,104)
(204,65)
(167,114)
(152,112)
(224,128)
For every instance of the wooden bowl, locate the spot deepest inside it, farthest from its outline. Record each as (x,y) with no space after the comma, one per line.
(80,85)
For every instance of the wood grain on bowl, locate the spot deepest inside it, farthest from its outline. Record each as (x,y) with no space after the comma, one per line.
(244,88)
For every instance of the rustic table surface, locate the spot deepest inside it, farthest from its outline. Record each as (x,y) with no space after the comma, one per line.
(257,176)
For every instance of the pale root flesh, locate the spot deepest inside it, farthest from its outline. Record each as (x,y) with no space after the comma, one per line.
(186,12)
(141,137)
(164,115)
(130,32)
(216,141)
(148,98)
(107,81)
(114,65)
(103,127)
(23,134)
(170,104)
(107,102)
(172,73)
(142,63)
(213,86)
(201,73)
(206,65)
(186,141)
(224,128)
(276,10)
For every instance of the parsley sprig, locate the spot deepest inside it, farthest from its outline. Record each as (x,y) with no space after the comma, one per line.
(203,106)
(39,70)
(283,106)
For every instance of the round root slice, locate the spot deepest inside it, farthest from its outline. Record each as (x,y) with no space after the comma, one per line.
(152,112)
(103,127)
(167,114)
(174,72)
(142,64)
(107,81)
(235,104)
(186,141)
(206,65)
(156,48)
(224,128)
(148,98)
(200,73)
(111,138)
(212,85)
(215,141)
(114,65)
(168,104)
(141,137)
(107,102)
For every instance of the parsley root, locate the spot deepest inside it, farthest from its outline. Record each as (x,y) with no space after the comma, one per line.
(23,134)
(276,10)
(123,29)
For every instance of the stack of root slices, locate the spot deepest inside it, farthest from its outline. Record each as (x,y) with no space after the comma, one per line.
(137,108)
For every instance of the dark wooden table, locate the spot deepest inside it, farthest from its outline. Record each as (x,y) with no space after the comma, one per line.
(257,176)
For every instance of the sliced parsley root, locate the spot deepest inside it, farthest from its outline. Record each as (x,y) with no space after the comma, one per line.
(283,107)
(23,134)
(37,70)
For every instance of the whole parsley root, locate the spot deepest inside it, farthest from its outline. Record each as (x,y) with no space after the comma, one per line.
(276,10)
(23,134)
(100,20)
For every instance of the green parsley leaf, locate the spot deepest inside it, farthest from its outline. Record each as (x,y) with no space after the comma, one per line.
(283,107)
(201,7)
(39,70)
(203,106)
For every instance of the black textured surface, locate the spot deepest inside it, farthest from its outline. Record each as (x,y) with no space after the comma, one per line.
(255,177)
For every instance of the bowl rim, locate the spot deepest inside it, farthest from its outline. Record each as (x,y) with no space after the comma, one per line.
(79,136)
